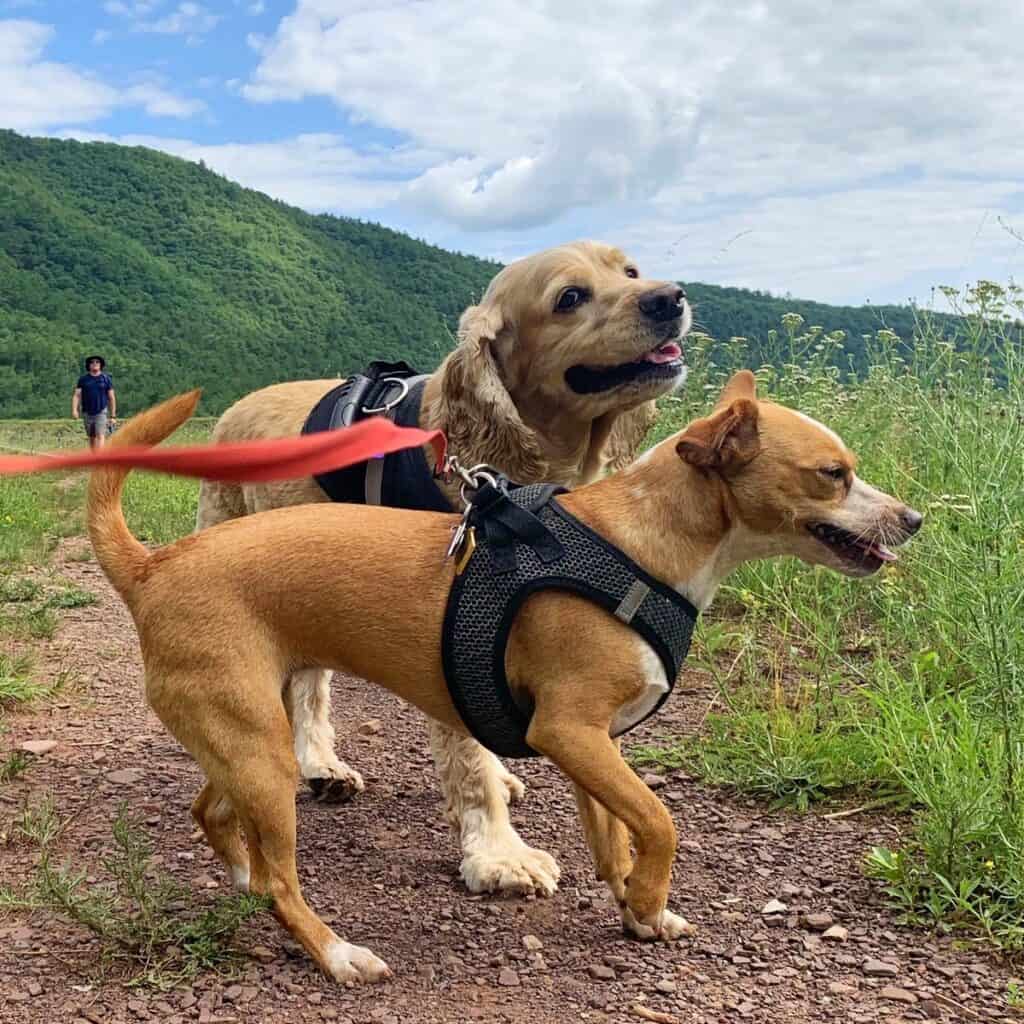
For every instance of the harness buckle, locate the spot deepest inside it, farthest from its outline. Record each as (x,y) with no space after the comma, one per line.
(403,390)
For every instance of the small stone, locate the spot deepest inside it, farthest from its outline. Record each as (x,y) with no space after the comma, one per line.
(261,953)
(38,746)
(532,943)
(125,776)
(898,995)
(371,727)
(653,781)
(35,989)
(315,998)
(841,988)
(837,933)
(818,922)
(17,996)
(930,1008)
(232,993)
(508,978)
(665,985)
(601,972)
(774,907)
(879,968)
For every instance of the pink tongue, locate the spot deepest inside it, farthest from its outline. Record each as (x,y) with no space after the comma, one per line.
(882,553)
(664,353)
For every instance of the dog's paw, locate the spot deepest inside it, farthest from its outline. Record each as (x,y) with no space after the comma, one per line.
(354,965)
(510,867)
(335,784)
(667,927)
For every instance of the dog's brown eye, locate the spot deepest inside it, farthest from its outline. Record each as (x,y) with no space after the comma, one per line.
(632,272)
(836,473)
(570,299)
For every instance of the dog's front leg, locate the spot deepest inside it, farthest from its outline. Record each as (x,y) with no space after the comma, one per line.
(611,790)
(494,857)
(608,841)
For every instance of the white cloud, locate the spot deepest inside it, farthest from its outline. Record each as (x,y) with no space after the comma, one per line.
(158,102)
(135,9)
(188,19)
(39,94)
(101,35)
(654,119)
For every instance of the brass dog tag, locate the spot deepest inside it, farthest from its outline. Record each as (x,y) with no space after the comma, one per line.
(468,547)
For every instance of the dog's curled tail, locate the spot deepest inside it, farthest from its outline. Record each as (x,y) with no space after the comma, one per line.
(119,553)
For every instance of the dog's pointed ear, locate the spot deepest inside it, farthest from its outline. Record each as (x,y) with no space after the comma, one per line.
(475,403)
(725,441)
(742,384)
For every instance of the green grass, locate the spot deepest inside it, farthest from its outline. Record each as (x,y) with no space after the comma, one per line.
(142,917)
(14,765)
(19,684)
(906,687)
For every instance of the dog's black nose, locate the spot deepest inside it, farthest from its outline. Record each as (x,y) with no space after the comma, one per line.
(911,520)
(664,303)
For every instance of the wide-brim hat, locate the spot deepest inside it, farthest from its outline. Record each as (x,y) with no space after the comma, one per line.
(89,359)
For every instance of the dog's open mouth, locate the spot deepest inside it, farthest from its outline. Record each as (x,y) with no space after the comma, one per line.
(862,553)
(664,362)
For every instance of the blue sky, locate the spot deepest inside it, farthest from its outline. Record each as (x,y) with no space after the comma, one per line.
(863,153)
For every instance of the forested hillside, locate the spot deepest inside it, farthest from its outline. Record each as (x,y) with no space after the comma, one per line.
(182,278)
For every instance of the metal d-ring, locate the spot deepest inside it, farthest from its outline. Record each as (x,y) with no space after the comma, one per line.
(475,478)
(389,405)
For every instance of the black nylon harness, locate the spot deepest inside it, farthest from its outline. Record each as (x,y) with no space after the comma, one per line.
(401,480)
(526,542)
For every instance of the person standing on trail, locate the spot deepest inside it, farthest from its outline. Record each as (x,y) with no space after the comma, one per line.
(93,397)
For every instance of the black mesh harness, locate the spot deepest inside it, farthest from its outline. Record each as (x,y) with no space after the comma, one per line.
(401,480)
(525,541)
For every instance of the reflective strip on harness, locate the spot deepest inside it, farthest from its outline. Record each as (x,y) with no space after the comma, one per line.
(561,553)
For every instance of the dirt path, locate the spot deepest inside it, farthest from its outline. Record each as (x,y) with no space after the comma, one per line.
(383,872)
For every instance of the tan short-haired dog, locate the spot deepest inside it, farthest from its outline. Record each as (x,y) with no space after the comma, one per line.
(224,615)
(553,380)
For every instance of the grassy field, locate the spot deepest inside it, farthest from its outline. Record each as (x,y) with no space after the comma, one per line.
(902,691)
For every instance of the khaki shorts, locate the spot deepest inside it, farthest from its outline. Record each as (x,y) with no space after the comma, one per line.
(95,426)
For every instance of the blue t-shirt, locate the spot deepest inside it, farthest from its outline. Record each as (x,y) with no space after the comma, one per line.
(94,392)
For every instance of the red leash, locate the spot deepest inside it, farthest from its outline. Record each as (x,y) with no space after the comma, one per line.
(287,458)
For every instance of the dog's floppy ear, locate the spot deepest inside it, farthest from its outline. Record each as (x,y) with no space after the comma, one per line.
(477,410)
(742,384)
(725,440)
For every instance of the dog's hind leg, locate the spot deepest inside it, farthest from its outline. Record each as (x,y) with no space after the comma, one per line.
(249,762)
(309,708)
(476,804)
(216,817)
(267,806)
